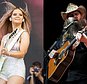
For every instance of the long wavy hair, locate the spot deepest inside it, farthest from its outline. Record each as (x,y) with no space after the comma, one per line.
(6,25)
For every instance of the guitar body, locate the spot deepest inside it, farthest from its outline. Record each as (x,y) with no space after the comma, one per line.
(56,71)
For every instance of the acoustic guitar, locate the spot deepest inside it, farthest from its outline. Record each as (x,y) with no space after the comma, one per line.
(59,64)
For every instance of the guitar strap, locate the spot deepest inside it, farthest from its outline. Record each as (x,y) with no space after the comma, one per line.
(13,40)
(9,44)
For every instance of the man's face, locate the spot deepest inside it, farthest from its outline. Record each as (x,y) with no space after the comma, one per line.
(77,15)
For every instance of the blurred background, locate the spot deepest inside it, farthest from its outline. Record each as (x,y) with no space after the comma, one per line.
(35,51)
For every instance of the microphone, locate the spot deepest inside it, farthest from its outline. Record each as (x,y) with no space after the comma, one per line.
(68,25)
(52,46)
(70,21)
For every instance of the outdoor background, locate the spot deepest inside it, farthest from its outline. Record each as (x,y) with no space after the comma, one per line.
(35,51)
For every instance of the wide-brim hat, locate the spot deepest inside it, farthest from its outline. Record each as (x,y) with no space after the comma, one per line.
(71,8)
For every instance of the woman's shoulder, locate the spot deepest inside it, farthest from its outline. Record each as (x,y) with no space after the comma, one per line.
(6,36)
(24,31)
(24,35)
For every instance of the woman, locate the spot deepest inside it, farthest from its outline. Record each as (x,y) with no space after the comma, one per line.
(13,70)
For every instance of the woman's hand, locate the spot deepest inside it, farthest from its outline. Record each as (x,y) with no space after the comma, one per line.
(4,51)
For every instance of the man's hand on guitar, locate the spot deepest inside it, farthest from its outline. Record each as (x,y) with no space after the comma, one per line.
(53,53)
(78,36)
(82,37)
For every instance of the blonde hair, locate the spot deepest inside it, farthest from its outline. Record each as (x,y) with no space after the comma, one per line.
(5,24)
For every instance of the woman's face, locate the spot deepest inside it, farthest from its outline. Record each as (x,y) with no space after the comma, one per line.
(17,16)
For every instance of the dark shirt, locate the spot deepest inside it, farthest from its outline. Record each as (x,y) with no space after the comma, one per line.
(78,68)
(36,80)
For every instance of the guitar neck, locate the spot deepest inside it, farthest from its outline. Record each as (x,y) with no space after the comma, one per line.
(72,42)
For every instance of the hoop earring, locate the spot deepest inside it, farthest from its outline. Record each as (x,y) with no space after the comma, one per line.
(23,20)
(10,19)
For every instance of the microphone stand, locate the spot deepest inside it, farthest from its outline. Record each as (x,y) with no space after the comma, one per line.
(46,54)
(46,57)
(46,61)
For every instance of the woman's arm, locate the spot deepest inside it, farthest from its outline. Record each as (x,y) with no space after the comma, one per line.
(24,43)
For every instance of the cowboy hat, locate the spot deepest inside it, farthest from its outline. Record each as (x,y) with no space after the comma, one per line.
(71,8)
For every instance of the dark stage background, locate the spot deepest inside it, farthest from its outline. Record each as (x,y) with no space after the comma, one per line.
(35,51)
(53,22)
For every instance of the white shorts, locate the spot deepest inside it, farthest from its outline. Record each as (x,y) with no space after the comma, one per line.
(13,66)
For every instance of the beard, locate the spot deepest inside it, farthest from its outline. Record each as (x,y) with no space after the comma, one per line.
(76,26)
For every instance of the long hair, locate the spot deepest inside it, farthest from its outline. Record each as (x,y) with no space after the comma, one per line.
(5,24)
